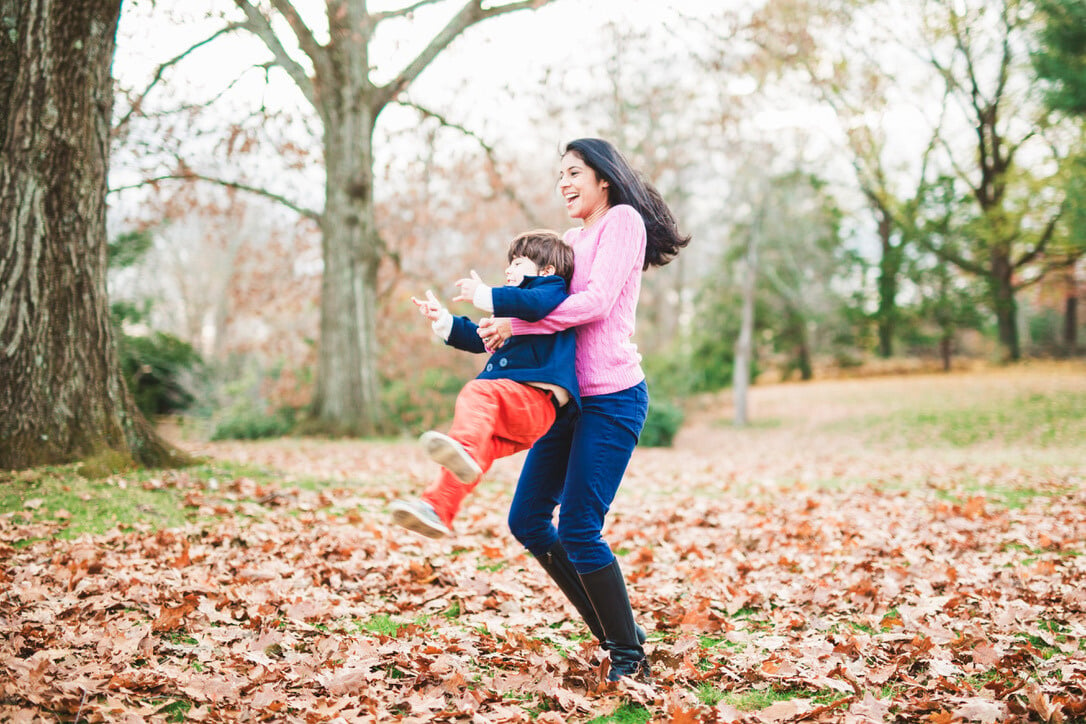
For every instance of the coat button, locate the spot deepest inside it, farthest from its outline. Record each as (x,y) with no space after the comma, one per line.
(503,361)
(489,367)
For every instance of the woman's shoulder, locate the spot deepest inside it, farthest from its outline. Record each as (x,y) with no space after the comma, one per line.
(625,217)
(622,215)
(624,211)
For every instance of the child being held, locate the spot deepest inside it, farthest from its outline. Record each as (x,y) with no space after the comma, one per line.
(524,386)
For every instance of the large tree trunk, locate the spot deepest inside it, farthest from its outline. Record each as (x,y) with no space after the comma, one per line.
(62,396)
(1070,316)
(744,346)
(347,398)
(1004,303)
(889,266)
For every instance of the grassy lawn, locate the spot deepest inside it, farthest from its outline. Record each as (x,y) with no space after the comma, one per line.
(152,499)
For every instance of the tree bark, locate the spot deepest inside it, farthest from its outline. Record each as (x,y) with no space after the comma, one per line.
(347,396)
(1001,283)
(744,346)
(63,397)
(889,267)
(1070,316)
(946,348)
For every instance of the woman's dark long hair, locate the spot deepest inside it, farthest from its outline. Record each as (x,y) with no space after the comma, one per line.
(625,186)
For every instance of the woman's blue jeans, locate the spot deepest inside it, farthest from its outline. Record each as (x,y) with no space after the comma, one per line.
(577,466)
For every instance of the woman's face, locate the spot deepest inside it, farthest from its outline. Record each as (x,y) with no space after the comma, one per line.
(584,193)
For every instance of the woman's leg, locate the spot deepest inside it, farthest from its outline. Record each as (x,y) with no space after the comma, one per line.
(532,510)
(600,452)
(539,487)
(603,441)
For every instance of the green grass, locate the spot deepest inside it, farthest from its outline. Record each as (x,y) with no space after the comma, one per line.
(1030,419)
(625,714)
(709,694)
(758,700)
(1004,496)
(381,624)
(152,498)
(175,711)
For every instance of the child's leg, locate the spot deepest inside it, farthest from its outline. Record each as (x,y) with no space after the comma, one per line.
(496,418)
(493,419)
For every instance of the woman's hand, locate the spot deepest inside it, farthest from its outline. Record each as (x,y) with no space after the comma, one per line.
(494,331)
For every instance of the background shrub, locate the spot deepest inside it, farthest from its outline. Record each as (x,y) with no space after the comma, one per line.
(247,422)
(662,424)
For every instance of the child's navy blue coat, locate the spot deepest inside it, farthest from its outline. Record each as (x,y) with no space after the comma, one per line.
(530,357)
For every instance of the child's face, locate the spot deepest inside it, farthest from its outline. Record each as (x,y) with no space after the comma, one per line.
(520,267)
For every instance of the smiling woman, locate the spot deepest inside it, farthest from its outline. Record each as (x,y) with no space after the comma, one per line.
(626,227)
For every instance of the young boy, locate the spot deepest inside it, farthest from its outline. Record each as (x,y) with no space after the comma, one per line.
(523,387)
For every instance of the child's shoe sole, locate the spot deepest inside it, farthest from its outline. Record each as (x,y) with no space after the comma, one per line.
(451,455)
(408,516)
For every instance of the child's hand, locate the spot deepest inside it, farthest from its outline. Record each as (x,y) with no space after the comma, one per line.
(467,288)
(429,307)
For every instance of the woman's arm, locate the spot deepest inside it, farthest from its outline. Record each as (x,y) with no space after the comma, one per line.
(620,251)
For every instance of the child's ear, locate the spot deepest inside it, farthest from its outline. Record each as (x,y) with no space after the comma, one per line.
(547,271)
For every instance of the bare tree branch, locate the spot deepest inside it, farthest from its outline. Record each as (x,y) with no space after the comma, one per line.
(1051,266)
(472,12)
(301,210)
(506,189)
(378,17)
(1042,241)
(201,104)
(138,102)
(259,26)
(306,41)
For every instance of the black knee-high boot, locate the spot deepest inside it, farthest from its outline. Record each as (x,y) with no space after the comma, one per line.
(606,590)
(558,566)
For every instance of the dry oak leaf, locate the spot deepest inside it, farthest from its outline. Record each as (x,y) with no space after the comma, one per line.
(982,710)
(872,707)
(1048,712)
(784,710)
(171,618)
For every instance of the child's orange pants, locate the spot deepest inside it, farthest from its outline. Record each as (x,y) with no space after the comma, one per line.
(492,419)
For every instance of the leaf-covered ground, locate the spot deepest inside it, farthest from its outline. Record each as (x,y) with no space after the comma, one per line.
(907,549)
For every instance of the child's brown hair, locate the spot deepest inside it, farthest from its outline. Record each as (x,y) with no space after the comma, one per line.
(545,248)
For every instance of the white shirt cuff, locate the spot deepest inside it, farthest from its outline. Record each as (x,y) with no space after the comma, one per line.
(442,326)
(483,299)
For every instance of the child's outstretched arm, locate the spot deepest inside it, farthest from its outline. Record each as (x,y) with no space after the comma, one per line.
(440,317)
(459,332)
(429,307)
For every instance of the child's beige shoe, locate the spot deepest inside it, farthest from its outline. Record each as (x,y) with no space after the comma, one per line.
(451,455)
(419,516)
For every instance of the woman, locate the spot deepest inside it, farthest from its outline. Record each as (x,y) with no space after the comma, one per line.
(578,465)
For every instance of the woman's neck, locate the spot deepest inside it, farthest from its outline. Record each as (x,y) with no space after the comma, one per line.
(590,220)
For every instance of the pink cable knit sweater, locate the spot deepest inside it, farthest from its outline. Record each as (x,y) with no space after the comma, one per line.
(603,301)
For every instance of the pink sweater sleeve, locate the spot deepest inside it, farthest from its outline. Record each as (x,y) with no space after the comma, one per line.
(618,252)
